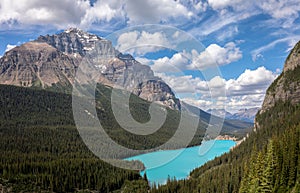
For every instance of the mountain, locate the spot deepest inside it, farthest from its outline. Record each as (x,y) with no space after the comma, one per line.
(286,87)
(268,160)
(236,127)
(52,61)
(219,113)
(41,147)
(35,64)
(247,115)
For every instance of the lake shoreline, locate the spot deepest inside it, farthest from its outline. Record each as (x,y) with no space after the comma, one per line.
(179,163)
(226,137)
(183,148)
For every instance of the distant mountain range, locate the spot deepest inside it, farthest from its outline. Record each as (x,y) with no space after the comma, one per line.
(230,126)
(219,112)
(243,114)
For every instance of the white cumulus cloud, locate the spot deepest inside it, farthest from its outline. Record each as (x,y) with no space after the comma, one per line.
(177,63)
(221,4)
(153,11)
(251,82)
(246,91)
(63,13)
(56,12)
(142,42)
(213,56)
(216,55)
(281,8)
(103,11)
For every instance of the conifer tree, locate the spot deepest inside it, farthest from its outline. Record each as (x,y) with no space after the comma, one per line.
(267,182)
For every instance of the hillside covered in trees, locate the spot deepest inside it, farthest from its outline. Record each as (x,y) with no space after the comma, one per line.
(268,161)
(41,149)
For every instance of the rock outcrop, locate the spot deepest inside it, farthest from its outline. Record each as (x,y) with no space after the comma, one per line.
(287,86)
(157,90)
(77,42)
(53,60)
(36,64)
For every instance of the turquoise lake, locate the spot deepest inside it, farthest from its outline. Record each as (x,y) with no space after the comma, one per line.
(179,163)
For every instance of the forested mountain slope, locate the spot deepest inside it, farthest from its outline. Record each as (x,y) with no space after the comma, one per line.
(268,161)
(41,149)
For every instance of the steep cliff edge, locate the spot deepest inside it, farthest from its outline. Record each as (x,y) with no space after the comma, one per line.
(287,86)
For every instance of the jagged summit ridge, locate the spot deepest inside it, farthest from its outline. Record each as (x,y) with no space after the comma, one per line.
(52,61)
(76,42)
(75,30)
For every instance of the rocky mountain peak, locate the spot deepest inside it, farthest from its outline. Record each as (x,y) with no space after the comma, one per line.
(52,61)
(77,42)
(287,86)
(76,30)
(293,60)
(83,36)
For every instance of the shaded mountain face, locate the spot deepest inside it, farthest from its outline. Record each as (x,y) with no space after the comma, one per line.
(53,60)
(287,86)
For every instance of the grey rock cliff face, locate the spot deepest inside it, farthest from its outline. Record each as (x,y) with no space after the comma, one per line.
(125,71)
(36,64)
(287,86)
(157,90)
(293,60)
(54,59)
(77,42)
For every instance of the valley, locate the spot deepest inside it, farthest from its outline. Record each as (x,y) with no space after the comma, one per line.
(43,150)
(41,147)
